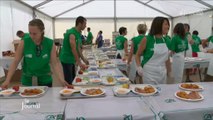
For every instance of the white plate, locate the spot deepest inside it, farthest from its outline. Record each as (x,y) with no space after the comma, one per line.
(7,92)
(123,79)
(95,80)
(83,81)
(22,90)
(93,72)
(142,87)
(71,91)
(192,100)
(121,91)
(200,87)
(84,90)
(105,81)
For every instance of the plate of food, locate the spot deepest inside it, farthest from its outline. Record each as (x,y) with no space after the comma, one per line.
(109,80)
(80,81)
(192,96)
(145,90)
(92,92)
(31,92)
(95,80)
(93,72)
(7,92)
(123,79)
(191,87)
(67,92)
(121,91)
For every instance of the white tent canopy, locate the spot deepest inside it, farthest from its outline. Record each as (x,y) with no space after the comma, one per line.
(119,8)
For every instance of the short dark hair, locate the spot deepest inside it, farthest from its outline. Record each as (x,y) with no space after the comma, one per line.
(157,24)
(100,32)
(122,30)
(179,30)
(19,32)
(88,28)
(80,19)
(195,32)
(187,25)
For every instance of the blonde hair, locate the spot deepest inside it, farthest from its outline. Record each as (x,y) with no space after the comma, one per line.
(142,28)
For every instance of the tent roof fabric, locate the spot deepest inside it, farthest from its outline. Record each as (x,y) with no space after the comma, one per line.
(119,8)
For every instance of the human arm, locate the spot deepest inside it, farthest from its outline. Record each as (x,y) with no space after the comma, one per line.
(13,66)
(56,67)
(130,53)
(74,50)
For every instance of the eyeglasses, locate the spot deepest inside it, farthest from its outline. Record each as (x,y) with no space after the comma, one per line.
(38,50)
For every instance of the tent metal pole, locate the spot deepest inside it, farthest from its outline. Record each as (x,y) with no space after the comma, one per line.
(43,3)
(115,17)
(204,3)
(53,23)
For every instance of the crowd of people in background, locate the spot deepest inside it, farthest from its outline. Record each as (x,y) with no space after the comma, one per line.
(148,58)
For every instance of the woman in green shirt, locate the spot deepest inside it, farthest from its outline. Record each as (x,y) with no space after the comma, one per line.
(121,43)
(155,53)
(142,28)
(178,46)
(38,53)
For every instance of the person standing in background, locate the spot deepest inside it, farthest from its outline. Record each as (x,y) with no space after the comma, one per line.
(99,39)
(188,53)
(89,36)
(179,45)
(38,53)
(142,28)
(22,35)
(195,46)
(122,43)
(69,55)
(155,53)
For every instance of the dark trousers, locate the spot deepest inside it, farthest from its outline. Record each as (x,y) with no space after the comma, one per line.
(69,72)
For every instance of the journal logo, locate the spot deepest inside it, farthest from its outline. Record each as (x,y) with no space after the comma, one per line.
(26,104)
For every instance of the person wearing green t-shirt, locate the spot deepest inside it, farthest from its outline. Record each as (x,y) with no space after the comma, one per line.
(121,43)
(195,45)
(179,45)
(71,52)
(22,35)
(155,53)
(142,28)
(38,53)
(89,36)
(209,42)
(189,38)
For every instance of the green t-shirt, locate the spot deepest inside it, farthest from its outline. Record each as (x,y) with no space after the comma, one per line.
(89,38)
(197,41)
(210,39)
(66,55)
(168,40)
(136,41)
(178,44)
(36,61)
(119,42)
(26,35)
(149,50)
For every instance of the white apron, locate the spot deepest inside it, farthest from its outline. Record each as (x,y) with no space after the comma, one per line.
(155,69)
(189,51)
(121,52)
(133,68)
(178,67)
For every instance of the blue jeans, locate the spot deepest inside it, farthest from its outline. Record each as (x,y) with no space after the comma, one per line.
(69,72)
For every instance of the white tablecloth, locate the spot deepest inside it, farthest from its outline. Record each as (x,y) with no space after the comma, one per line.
(208,56)
(169,107)
(51,106)
(5,62)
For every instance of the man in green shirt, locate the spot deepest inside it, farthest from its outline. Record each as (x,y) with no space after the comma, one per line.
(89,36)
(121,43)
(71,52)
(22,35)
